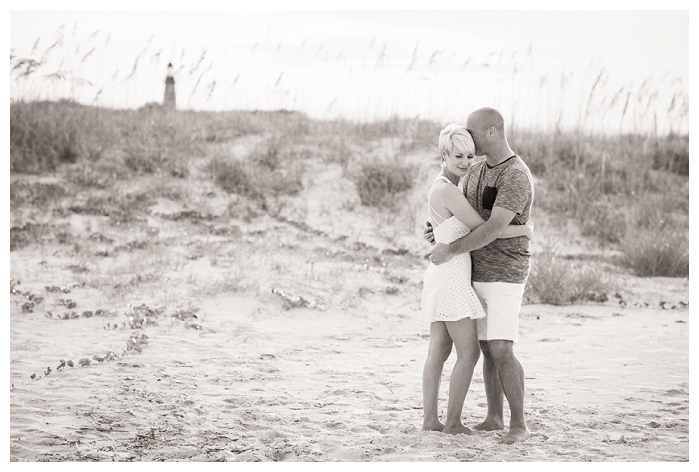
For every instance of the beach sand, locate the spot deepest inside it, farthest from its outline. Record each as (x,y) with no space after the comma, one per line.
(260,382)
(308,343)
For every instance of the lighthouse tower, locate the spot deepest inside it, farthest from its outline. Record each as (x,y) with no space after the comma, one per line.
(169,102)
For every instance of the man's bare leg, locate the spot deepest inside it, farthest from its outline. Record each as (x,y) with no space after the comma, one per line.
(493,392)
(464,333)
(511,376)
(438,353)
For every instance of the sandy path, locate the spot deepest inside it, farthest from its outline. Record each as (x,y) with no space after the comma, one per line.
(264,383)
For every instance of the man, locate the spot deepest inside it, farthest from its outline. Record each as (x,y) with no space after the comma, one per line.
(501,190)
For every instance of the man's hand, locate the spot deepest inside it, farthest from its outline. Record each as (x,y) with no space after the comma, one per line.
(441,254)
(429,235)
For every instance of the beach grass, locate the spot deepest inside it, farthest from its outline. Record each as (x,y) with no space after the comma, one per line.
(628,192)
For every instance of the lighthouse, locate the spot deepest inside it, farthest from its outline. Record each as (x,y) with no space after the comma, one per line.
(169,102)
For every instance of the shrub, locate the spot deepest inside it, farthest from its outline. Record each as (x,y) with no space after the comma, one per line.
(287,180)
(254,179)
(660,252)
(556,280)
(234,176)
(23,193)
(268,153)
(334,148)
(142,158)
(41,138)
(378,182)
(425,135)
(603,220)
(28,233)
(154,141)
(672,154)
(87,176)
(44,135)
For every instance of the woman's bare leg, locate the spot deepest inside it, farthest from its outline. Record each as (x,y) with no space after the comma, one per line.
(439,350)
(464,333)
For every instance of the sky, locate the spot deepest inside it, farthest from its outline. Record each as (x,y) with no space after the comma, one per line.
(366,64)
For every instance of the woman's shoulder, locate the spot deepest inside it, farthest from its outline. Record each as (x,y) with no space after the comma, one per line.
(442,190)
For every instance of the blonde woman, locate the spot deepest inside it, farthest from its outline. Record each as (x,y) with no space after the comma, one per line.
(449,302)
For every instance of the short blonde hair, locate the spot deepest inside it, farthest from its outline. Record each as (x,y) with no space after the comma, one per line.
(455,136)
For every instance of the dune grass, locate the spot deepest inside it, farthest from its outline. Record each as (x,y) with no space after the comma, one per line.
(628,192)
(557,280)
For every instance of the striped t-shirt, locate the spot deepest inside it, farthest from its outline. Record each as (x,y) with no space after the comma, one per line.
(503,260)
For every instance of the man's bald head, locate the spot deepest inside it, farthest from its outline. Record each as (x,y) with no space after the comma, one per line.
(487,128)
(485,118)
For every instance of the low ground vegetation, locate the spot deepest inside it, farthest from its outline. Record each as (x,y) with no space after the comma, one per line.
(627,193)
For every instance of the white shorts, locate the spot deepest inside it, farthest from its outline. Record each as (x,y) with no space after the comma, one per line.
(501,302)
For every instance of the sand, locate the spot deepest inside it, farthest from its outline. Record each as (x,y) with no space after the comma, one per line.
(308,345)
(260,382)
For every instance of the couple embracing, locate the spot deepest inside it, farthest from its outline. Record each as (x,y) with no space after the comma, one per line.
(474,285)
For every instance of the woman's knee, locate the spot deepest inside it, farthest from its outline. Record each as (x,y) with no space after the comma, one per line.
(475,354)
(440,351)
(470,354)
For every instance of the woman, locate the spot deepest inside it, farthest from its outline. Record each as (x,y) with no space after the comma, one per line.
(449,302)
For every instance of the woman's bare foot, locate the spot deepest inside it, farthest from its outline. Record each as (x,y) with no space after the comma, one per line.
(514,435)
(432,425)
(490,424)
(457,429)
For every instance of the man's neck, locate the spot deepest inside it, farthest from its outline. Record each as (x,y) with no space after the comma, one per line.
(499,155)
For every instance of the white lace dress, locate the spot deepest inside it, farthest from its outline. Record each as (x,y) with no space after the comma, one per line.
(447,294)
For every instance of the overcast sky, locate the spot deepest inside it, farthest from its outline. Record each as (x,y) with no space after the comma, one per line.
(630,46)
(637,42)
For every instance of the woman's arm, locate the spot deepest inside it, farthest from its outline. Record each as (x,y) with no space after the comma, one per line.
(451,198)
(515,231)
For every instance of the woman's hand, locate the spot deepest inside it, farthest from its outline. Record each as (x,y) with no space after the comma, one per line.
(429,235)
(530,229)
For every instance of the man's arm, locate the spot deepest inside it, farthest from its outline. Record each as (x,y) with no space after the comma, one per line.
(478,238)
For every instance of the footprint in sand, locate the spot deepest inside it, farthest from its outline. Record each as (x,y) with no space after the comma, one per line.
(344,453)
(333,425)
(365,431)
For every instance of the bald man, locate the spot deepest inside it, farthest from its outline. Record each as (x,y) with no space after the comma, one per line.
(501,189)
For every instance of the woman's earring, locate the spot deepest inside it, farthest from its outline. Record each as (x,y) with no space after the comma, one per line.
(443,164)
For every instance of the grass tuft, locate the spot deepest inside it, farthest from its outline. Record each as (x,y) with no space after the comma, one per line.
(556,280)
(378,183)
(660,252)
(42,138)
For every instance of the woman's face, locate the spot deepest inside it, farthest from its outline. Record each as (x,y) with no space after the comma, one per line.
(458,162)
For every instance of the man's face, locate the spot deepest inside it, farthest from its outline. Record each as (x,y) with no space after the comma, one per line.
(478,135)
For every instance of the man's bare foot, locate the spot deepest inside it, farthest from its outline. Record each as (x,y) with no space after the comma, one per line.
(490,424)
(432,426)
(458,429)
(514,435)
